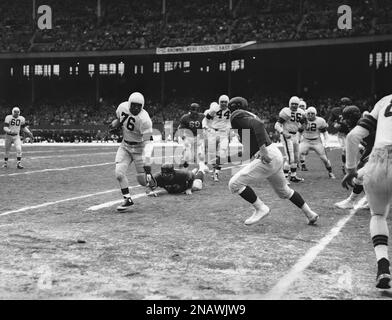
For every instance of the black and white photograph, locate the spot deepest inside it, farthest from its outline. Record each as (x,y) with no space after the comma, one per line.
(208,151)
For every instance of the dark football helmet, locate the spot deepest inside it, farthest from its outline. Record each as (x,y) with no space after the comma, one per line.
(351,115)
(194,108)
(167,170)
(238,103)
(344,102)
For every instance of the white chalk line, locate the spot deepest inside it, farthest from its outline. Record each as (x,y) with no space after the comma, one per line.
(56,151)
(278,291)
(57,169)
(46,204)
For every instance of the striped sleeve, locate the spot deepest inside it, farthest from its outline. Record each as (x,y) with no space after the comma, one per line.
(368,122)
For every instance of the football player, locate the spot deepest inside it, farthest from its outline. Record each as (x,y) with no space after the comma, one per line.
(377,179)
(302,105)
(315,126)
(136,145)
(13,124)
(352,117)
(191,134)
(268,164)
(336,120)
(177,180)
(290,120)
(218,123)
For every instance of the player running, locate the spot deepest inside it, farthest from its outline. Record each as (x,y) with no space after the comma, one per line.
(352,117)
(218,124)
(336,120)
(13,123)
(290,120)
(191,135)
(135,147)
(268,164)
(315,126)
(377,179)
(177,181)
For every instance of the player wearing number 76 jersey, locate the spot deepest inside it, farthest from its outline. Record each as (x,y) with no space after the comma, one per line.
(377,179)
(136,144)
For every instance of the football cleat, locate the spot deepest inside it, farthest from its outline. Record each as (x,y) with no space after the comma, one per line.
(347,203)
(258,215)
(383,279)
(304,168)
(362,204)
(19,165)
(126,205)
(296,179)
(312,219)
(331,175)
(216,177)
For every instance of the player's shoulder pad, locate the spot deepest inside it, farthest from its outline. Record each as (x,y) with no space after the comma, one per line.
(122,107)
(368,122)
(8,118)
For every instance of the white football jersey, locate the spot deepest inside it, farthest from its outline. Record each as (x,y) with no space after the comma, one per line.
(134,127)
(15,123)
(313,128)
(382,112)
(292,119)
(220,118)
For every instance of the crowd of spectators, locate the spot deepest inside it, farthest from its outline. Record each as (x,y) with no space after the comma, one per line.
(124,24)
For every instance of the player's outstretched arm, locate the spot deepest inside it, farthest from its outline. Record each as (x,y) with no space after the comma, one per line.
(28,132)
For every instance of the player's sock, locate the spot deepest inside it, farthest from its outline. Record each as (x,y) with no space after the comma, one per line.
(286,173)
(297,199)
(302,162)
(293,171)
(125,193)
(199,175)
(357,189)
(249,195)
(19,159)
(379,233)
(343,159)
(185,164)
(5,159)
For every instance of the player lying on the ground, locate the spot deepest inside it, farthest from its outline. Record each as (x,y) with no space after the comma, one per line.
(177,180)
(315,126)
(352,117)
(13,123)
(190,123)
(377,179)
(135,147)
(218,125)
(268,164)
(290,120)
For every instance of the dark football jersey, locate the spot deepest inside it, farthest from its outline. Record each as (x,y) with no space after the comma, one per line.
(191,122)
(182,180)
(369,124)
(242,120)
(336,116)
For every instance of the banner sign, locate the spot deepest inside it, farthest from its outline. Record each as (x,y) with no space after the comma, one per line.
(204,48)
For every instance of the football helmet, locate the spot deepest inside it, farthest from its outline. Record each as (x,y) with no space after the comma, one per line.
(294,103)
(351,115)
(194,108)
(345,102)
(15,112)
(238,103)
(223,101)
(136,103)
(167,170)
(311,113)
(302,105)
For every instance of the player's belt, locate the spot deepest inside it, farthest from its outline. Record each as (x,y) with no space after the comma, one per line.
(12,134)
(311,138)
(131,143)
(292,132)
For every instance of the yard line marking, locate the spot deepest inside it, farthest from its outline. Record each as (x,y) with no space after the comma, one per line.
(56,169)
(279,289)
(57,151)
(114,202)
(136,196)
(71,155)
(42,205)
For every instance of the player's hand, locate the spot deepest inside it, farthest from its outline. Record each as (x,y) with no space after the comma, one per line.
(265,158)
(188,191)
(348,178)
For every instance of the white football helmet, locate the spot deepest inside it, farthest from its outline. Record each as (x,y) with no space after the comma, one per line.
(311,113)
(136,103)
(223,99)
(15,112)
(294,103)
(302,105)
